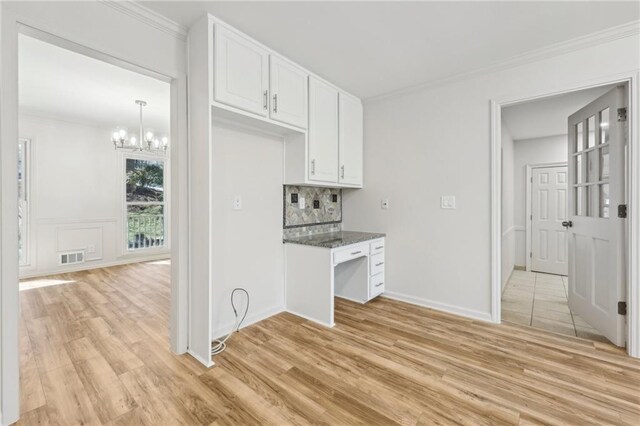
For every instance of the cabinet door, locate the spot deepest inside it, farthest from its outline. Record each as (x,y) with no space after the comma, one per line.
(241,72)
(323,132)
(350,140)
(289,91)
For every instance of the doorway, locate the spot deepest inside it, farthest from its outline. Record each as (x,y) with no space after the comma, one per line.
(543,270)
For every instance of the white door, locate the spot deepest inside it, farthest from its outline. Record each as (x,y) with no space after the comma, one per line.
(289,92)
(596,176)
(548,211)
(323,132)
(350,140)
(241,72)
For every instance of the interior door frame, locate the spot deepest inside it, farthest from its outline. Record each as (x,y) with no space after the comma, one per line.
(11,26)
(529,203)
(631,79)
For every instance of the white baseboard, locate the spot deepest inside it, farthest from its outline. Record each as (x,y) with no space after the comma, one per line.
(206,363)
(96,265)
(250,319)
(308,318)
(438,306)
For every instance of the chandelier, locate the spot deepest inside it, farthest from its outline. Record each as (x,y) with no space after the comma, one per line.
(146,141)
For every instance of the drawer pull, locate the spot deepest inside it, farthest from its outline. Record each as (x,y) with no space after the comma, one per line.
(353,253)
(379,284)
(379,247)
(380,264)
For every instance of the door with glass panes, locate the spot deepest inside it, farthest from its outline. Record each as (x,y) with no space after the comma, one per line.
(597,137)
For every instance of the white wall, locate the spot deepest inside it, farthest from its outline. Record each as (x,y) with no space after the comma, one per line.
(247,250)
(76,196)
(508,227)
(552,149)
(436,141)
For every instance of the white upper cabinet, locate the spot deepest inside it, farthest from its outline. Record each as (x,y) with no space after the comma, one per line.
(350,140)
(289,91)
(323,132)
(241,72)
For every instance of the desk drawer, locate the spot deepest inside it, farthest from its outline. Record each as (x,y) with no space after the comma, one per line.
(377,263)
(377,246)
(350,253)
(376,285)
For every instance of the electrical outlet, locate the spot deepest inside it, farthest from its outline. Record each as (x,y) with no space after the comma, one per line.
(384,204)
(448,202)
(316,204)
(237,202)
(91,248)
(294,198)
(334,198)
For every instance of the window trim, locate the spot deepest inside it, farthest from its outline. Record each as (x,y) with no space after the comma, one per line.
(166,203)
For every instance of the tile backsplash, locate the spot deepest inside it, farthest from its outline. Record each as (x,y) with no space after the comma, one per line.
(323,206)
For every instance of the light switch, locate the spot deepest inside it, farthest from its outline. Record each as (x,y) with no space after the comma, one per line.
(91,248)
(237,202)
(301,202)
(384,204)
(448,202)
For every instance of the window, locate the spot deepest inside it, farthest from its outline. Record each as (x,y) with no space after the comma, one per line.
(23,201)
(145,203)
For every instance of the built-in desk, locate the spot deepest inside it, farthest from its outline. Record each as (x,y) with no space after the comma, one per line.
(322,266)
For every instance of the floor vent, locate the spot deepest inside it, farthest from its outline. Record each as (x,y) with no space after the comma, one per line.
(72,258)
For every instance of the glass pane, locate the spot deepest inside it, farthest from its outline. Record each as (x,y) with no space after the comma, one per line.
(145,180)
(591,131)
(579,137)
(591,166)
(145,226)
(578,165)
(604,126)
(604,163)
(592,209)
(580,194)
(604,200)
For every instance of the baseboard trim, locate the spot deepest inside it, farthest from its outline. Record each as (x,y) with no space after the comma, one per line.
(89,266)
(206,363)
(249,320)
(519,268)
(308,318)
(438,306)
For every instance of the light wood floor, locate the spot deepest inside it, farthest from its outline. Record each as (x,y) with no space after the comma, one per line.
(94,351)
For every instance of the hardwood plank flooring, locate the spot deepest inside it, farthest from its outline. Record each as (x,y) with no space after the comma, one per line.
(94,350)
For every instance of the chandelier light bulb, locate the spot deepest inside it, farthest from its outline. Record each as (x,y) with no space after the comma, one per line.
(122,133)
(165,141)
(133,140)
(116,136)
(149,135)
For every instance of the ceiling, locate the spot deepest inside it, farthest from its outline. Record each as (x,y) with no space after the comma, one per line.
(373,48)
(548,116)
(62,84)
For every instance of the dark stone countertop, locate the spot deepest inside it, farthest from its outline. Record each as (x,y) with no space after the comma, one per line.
(333,239)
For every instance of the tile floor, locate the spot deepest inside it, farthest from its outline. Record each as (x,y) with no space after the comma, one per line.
(540,300)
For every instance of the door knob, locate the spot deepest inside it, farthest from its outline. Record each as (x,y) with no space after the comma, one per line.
(567,224)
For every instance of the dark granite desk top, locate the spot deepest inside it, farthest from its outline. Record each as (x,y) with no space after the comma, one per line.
(334,239)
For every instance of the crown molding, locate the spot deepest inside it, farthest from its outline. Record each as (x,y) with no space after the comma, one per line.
(610,34)
(149,17)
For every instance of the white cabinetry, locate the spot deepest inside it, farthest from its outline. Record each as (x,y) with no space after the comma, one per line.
(241,72)
(323,132)
(289,92)
(350,140)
